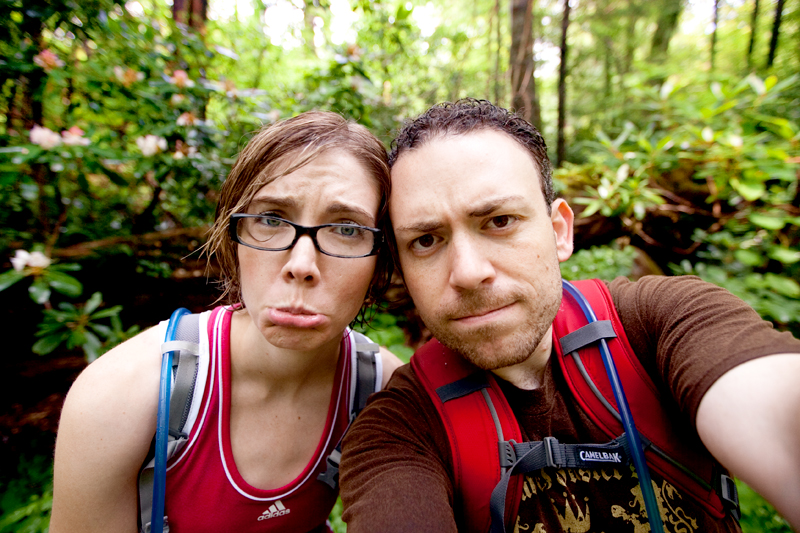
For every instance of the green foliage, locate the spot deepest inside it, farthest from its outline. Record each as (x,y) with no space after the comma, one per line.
(722,158)
(27,496)
(383,329)
(335,518)
(77,326)
(602,262)
(757,515)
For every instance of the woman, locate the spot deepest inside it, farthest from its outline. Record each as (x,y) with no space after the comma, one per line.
(295,236)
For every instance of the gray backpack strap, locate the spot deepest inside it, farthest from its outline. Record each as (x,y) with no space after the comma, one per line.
(366,382)
(184,371)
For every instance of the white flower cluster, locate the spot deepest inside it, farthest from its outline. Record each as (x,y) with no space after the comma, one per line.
(44,137)
(48,139)
(23,259)
(151,144)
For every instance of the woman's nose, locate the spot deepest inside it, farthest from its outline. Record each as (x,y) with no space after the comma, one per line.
(302,264)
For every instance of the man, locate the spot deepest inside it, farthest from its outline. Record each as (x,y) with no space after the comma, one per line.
(479,237)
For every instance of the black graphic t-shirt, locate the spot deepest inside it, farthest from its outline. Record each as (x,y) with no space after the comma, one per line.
(397,472)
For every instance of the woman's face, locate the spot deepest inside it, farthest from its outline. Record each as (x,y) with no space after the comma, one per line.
(301,299)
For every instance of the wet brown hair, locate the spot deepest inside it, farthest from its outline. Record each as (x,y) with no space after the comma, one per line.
(280,149)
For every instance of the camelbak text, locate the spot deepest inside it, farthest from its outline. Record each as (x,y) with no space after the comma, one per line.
(600,456)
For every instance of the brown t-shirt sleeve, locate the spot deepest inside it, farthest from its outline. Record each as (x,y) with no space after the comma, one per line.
(688,333)
(395,470)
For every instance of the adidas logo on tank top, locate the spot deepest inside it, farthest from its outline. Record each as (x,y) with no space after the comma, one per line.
(277,509)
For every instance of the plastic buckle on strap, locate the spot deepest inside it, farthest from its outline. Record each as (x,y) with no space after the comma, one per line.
(506,452)
(729,495)
(331,475)
(549,443)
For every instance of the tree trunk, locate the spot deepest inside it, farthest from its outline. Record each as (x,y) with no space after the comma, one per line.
(776,26)
(561,148)
(634,14)
(498,46)
(193,13)
(714,33)
(523,81)
(309,12)
(666,25)
(753,23)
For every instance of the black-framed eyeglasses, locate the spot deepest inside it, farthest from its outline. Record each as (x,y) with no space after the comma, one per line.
(274,234)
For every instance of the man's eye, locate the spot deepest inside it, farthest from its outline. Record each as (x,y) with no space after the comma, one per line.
(423,243)
(501,221)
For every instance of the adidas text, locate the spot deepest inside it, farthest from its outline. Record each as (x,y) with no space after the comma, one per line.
(274,510)
(600,456)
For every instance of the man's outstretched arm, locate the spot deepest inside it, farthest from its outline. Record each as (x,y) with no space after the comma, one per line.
(750,421)
(395,473)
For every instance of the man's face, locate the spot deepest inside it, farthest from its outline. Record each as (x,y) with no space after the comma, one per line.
(478,248)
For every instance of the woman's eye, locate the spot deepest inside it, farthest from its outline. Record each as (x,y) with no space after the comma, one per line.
(501,221)
(423,243)
(271,222)
(348,231)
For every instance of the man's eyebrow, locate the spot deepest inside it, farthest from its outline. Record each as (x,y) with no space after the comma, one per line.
(492,205)
(483,209)
(419,227)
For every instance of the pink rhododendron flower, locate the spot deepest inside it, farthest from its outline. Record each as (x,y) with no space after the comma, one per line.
(181,79)
(74,137)
(44,137)
(127,75)
(187,119)
(47,60)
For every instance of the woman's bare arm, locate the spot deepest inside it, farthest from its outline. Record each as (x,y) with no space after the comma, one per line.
(106,427)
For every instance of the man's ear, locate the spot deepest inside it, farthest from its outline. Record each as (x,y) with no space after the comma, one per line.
(562,217)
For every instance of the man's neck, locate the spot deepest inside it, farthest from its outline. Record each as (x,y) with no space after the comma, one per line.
(529,374)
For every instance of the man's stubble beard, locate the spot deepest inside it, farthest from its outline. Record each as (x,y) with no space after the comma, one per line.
(484,349)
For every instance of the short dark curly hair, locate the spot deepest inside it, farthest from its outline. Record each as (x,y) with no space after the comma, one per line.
(469,115)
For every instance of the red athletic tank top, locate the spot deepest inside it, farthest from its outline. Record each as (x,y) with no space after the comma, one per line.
(206,493)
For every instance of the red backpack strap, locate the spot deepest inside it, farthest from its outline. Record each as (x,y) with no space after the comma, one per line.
(687,465)
(459,390)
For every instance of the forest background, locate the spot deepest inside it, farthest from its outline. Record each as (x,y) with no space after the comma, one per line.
(674,125)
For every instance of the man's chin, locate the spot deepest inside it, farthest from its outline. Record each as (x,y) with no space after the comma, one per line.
(499,353)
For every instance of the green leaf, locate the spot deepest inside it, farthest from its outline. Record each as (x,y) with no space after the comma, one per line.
(47,344)
(767,222)
(749,190)
(9,278)
(783,285)
(105,313)
(39,291)
(785,255)
(93,303)
(749,257)
(91,346)
(63,283)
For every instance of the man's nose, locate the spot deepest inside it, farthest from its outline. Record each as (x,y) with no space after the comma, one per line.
(470,264)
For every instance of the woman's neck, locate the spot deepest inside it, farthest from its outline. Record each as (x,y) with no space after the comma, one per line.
(279,369)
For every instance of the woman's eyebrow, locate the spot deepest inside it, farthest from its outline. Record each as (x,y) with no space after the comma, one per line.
(277,201)
(339,208)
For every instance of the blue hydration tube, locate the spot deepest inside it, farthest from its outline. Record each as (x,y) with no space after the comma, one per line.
(162,428)
(635,444)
